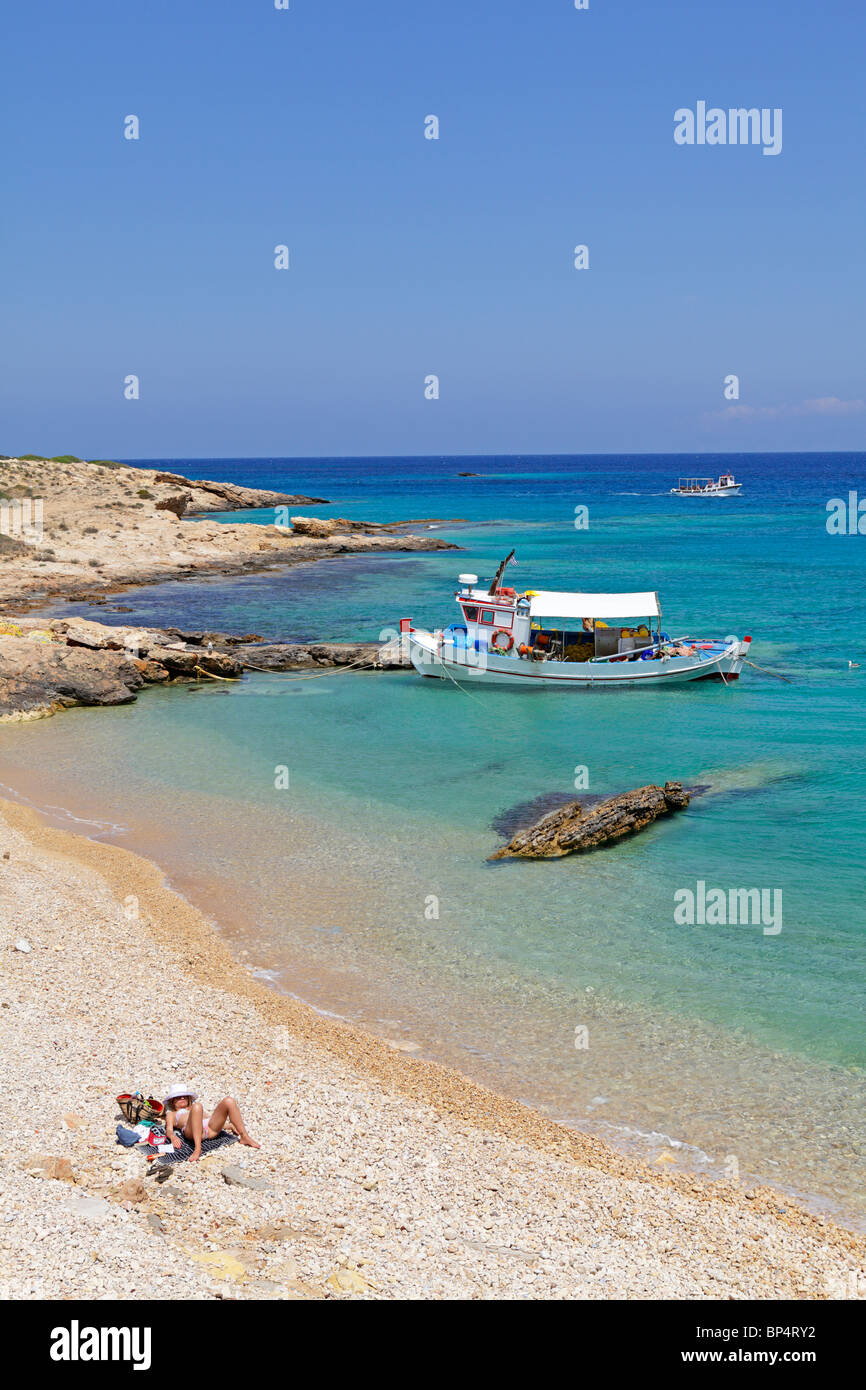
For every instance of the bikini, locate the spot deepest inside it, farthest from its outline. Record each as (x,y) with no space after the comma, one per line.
(181,1117)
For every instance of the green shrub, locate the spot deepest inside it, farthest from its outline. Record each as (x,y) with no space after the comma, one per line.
(143,492)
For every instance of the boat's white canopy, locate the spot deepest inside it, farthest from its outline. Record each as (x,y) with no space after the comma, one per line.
(551,604)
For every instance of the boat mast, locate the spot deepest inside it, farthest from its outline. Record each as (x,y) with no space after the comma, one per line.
(499,573)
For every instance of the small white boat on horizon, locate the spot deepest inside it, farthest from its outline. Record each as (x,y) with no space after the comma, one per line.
(545,638)
(725,486)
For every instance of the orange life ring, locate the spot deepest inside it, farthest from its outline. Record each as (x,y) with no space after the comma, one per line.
(500,632)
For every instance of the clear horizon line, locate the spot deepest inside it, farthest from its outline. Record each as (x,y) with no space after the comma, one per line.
(649,453)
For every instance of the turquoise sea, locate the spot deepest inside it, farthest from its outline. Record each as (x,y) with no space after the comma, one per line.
(365,887)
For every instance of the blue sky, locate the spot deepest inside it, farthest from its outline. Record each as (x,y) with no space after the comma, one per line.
(412,257)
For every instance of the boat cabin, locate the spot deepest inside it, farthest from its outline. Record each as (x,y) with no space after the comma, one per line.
(695,484)
(726,483)
(549,625)
(498,621)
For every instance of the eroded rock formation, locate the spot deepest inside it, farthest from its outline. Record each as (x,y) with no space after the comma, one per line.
(570,828)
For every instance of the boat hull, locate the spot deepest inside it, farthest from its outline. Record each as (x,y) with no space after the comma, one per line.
(442,660)
(707,492)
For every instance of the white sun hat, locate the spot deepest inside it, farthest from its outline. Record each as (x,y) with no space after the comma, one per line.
(181,1091)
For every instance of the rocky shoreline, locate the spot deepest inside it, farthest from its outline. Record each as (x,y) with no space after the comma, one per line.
(79,530)
(102,528)
(381,1176)
(52,665)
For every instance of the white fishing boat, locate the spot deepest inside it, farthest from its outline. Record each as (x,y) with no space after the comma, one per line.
(724,486)
(544,638)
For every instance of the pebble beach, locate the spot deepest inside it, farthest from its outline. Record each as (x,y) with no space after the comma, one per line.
(381,1175)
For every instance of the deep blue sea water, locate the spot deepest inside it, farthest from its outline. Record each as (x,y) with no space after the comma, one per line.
(365,885)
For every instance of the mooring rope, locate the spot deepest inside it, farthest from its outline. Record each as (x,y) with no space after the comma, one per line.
(201,671)
(467,693)
(768,672)
(313,675)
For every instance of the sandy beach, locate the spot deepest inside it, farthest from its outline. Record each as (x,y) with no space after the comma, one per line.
(433,713)
(380,1175)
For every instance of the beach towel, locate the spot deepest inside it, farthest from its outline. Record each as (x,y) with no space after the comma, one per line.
(207,1146)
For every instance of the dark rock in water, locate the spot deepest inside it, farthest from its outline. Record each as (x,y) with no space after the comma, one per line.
(675,795)
(527,813)
(572,828)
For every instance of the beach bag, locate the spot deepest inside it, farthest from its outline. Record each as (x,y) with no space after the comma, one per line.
(135,1107)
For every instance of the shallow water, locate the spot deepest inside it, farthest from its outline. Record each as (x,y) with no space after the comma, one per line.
(365,883)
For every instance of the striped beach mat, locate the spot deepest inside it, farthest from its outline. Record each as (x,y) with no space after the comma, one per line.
(182,1154)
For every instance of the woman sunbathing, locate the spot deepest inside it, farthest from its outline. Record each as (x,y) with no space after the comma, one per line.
(184,1116)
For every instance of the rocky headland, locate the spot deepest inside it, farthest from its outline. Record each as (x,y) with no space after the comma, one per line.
(76,529)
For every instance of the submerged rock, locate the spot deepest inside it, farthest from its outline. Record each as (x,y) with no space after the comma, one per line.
(524,814)
(527,813)
(572,827)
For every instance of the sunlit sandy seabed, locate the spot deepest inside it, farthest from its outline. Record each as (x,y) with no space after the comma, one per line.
(730,1042)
